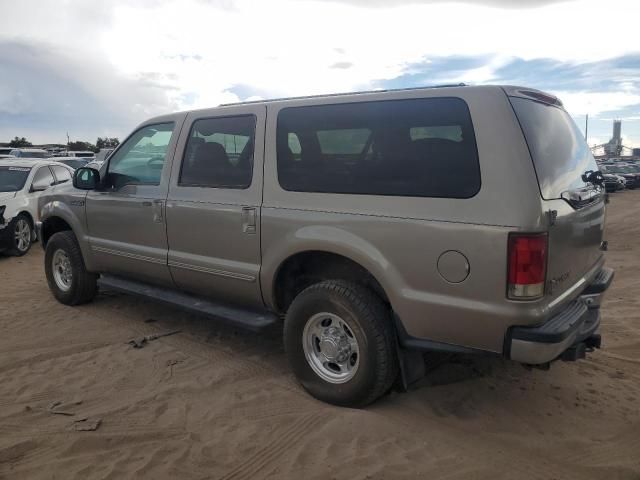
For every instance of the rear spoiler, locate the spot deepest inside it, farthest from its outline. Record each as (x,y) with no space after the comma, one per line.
(532,94)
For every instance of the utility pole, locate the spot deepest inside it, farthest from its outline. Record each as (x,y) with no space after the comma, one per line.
(586,126)
(67,139)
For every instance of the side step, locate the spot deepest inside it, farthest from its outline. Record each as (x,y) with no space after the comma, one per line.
(230,315)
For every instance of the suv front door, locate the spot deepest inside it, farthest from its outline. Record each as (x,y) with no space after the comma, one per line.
(213,206)
(126,217)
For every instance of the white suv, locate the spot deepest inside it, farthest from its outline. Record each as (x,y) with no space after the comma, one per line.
(21,183)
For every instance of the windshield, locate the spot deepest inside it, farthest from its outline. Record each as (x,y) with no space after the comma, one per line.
(75,164)
(558,149)
(12,179)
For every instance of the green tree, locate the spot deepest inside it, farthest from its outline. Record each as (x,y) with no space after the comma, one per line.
(20,142)
(107,142)
(77,146)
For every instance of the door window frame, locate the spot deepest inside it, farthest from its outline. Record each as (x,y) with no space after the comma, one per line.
(251,196)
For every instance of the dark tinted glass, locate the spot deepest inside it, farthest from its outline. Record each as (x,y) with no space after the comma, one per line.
(558,148)
(12,178)
(422,148)
(219,153)
(61,173)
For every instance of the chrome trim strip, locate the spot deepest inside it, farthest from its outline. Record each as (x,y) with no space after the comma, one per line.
(213,271)
(567,293)
(133,256)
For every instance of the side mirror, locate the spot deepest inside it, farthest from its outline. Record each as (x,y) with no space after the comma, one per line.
(86,178)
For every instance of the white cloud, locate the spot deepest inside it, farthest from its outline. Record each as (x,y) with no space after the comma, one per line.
(594,103)
(196,51)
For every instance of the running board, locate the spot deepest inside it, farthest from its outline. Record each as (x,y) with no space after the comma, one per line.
(230,315)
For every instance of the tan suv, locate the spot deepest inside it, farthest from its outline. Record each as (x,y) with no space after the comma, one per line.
(379,224)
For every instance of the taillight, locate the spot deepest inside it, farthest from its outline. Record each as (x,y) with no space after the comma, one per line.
(527,265)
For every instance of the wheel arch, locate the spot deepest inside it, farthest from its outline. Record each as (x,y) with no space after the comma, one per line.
(57,217)
(325,252)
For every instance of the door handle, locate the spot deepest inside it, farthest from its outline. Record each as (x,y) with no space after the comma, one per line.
(249,220)
(158,211)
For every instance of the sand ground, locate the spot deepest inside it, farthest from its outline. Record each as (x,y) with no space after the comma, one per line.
(210,402)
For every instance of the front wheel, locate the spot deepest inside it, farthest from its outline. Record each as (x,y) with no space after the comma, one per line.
(21,235)
(68,279)
(340,343)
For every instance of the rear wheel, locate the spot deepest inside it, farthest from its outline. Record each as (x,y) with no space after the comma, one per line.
(340,343)
(21,235)
(67,276)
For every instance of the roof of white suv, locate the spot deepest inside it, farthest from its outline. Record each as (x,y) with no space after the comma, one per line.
(27,162)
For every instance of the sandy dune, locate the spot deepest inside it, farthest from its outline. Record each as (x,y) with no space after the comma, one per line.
(210,402)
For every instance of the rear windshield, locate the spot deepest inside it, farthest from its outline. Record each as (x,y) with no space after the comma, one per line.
(12,178)
(559,151)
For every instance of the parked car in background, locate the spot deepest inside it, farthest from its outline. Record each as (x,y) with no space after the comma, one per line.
(628,173)
(82,154)
(375,240)
(103,154)
(29,153)
(22,181)
(5,151)
(73,162)
(613,183)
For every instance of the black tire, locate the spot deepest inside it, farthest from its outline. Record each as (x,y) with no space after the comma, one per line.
(83,285)
(22,220)
(369,320)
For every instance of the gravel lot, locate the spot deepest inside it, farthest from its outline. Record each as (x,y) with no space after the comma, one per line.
(211,402)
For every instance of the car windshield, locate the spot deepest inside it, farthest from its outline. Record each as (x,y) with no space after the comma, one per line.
(34,154)
(13,179)
(75,164)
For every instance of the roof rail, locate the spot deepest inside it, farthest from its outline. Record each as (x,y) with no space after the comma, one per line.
(343,93)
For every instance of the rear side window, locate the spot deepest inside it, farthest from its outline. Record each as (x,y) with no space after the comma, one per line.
(219,153)
(420,148)
(559,151)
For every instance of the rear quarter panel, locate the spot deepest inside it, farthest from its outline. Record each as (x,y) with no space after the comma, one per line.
(399,239)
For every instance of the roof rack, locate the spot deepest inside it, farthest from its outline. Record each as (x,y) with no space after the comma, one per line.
(343,93)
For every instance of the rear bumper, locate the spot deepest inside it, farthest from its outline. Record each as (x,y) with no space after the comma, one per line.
(568,334)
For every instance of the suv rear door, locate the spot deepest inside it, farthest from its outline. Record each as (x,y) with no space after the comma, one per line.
(575,208)
(213,207)
(126,218)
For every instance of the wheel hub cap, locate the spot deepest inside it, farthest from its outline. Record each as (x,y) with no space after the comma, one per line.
(22,235)
(331,348)
(62,271)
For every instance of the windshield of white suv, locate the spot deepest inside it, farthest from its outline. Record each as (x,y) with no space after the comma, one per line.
(12,179)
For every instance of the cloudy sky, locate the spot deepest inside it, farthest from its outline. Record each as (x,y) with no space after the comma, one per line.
(98,67)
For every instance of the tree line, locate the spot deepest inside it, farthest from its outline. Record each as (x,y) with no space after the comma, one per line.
(106,142)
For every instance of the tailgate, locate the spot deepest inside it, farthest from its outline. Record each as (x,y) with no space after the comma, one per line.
(574,245)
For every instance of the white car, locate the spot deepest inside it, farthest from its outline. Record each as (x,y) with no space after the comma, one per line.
(21,183)
(29,153)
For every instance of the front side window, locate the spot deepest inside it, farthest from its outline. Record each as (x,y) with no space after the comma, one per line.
(219,153)
(43,178)
(141,158)
(419,147)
